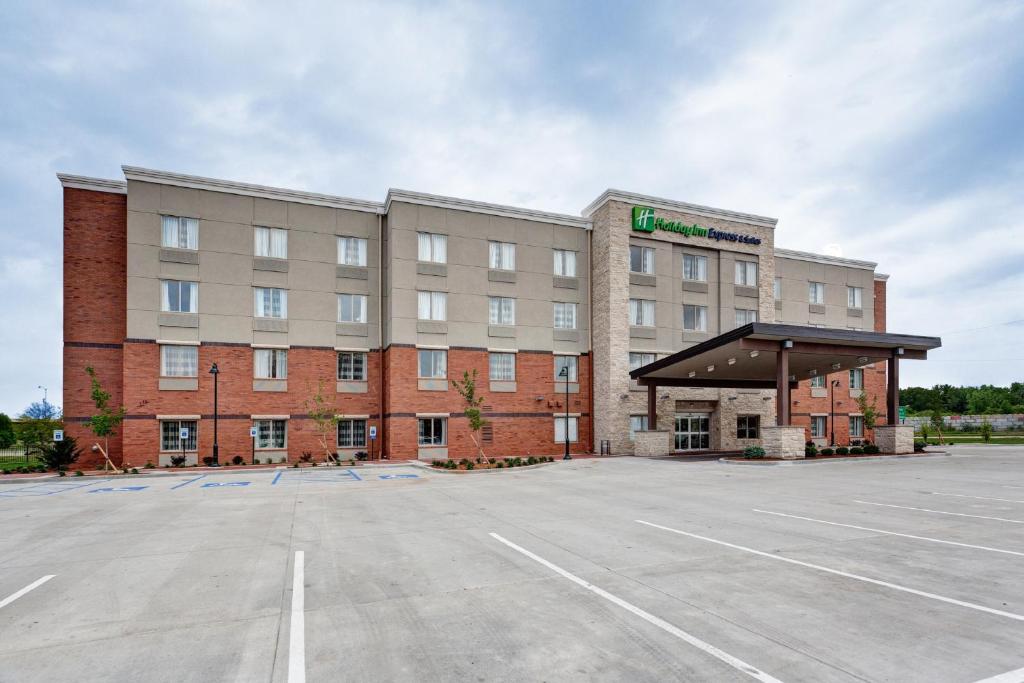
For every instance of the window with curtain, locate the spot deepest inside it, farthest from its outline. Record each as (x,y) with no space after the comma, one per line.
(270,363)
(179,361)
(351,308)
(271,434)
(856,427)
(351,251)
(431,247)
(818,382)
(637,423)
(746,273)
(502,367)
(856,378)
(641,259)
(641,312)
(351,433)
(271,302)
(560,423)
(816,292)
(695,267)
(178,232)
(565,316)
(179,297)
(571,362)
(501,310)
(818,426)
(695,318)
(433,431)
(638,360)
(272,242)
(170,435)
(502,256)
(565,263)
(433,363)
(432,305)
(855,297)
(745,316)
(352,366)
(777,288)
(747,426)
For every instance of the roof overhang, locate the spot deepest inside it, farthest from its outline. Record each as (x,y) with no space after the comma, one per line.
(745,357)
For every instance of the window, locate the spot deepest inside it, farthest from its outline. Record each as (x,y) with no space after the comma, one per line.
(351,308)
(818,426)
(565,316)
(432,305)
(272,242)
(433,431)
(695,318)
(170,435)
(777,288)
(179,233)
(270,363)
(503,367)
(641,312)
(856,378)
(856,426)
(565,263)
(695,267)
(816,292)
(855,297)
(560,429)
(271,433)
(179,361)
(352,366)
(433,363)
(747,426)
(351,251)
(502,310)
(571,362)
(818,382)
(271,303)
(641,259)
(745,316)
(503,256)
(432,248)
(746,273)
(638,360)
(351,433)
(637,423)
(179,297)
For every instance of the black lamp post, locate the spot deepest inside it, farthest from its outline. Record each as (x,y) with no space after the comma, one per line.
(214,371)
(565,373)
(832,440)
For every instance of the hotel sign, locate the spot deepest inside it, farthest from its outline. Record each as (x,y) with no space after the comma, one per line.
(645,220)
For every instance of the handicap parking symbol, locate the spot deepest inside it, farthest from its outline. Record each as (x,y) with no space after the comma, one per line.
(398,476)
(118,489)
(226,483)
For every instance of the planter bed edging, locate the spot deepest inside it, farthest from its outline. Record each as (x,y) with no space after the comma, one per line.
(809,461)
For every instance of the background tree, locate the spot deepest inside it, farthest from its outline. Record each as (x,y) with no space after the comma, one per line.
(59,454)
(41,410)
(105,421)
(35,433)
(467,390)
(7,436)
(986,431)
(937,423)
(325,422)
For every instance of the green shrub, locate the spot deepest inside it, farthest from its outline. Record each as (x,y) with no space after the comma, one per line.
(827,451)
(307,456)
(498,465)
(79,473)
(871,449)
(59,454)
(362,455)
(919,446)
(490,461)
(856,450)
(470,465)
(178,460)
(842,450)
(295,465)
(531,460)
(753,452)
(135,470)
(810,450)
(237,460)
(986,431)
(61,473)
(149,465)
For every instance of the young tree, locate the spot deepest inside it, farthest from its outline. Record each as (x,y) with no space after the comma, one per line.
(325,421)
(467,389)
(868,411)
(59,454)
(7,437)
(937,424)
(106,420)
(986,430)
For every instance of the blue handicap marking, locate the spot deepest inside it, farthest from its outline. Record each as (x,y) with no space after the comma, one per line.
(227,483)
(398,476)
(118,489)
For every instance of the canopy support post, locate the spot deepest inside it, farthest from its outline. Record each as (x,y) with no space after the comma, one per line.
(782,384)
(652,407)
(892,398)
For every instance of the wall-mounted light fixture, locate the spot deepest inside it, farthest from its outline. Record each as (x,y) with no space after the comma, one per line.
(836,366)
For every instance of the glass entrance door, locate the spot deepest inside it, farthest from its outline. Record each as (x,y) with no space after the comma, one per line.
(693,431)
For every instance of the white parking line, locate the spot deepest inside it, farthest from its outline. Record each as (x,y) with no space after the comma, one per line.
(941,512)
(1015,676)
(961,495)
(735,663)
(837,572)
(297,642)
(892,533)
(32,586)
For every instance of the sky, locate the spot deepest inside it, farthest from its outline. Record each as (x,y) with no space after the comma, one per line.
(884,131)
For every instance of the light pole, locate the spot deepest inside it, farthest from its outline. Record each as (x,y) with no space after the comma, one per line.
(565,373)
(214,371)
(832,440)
(44,392)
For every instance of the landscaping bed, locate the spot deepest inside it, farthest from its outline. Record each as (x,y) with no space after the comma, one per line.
(467,465)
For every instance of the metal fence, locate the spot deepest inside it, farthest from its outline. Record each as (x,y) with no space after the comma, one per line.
(13,455)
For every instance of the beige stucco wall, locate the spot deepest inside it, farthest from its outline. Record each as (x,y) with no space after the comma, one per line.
(796,276)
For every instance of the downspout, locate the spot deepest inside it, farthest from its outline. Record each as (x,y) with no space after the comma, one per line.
(380,329)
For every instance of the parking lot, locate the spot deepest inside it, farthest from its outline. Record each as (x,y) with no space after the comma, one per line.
(616,569)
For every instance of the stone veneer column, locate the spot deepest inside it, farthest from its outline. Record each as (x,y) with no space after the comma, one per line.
(783,442)
(653,443)
(898,439)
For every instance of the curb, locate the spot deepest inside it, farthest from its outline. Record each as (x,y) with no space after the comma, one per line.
(488,470)
(802,461)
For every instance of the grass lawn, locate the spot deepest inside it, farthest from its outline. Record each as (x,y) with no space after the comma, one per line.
(976,439)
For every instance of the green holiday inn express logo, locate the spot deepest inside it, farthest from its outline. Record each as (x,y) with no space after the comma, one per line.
(645,220)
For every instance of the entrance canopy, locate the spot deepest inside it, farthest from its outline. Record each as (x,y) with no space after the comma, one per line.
(776,356)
